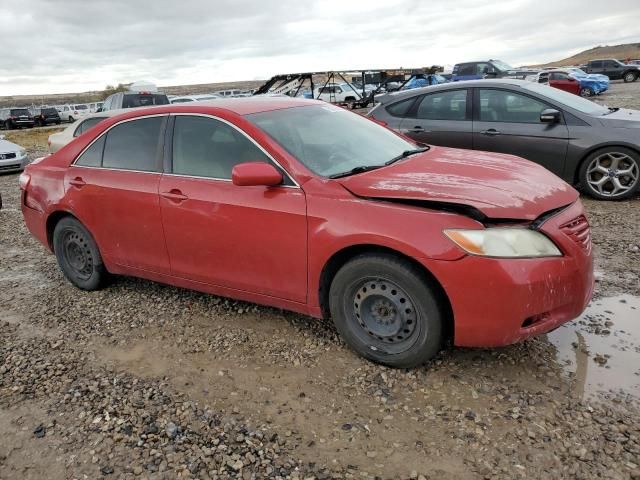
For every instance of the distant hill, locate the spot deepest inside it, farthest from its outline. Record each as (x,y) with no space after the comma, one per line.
(621,52)
(85,97)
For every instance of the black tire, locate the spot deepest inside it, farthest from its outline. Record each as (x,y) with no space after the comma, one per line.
(58,122)
(628,160)
(8,125)
(71,119)
(78,255)
(586,92)
(629,77)
(386,310)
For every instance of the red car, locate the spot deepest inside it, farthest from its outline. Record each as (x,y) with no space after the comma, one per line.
(308,207)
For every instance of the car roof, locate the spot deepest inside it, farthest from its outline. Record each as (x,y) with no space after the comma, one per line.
(240,106)
(498,82)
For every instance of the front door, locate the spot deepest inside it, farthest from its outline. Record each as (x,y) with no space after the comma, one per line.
(441,118)
(251,239)
(509,122)
(113,189)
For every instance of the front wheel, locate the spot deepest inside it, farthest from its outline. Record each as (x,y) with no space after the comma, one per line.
(8,125)
(630,77)
(71,119)
(386,310)
(78,255)
(611,173)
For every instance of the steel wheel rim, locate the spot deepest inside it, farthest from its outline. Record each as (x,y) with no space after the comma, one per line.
(612,174)
(78,254)
(385,315)
(585,92)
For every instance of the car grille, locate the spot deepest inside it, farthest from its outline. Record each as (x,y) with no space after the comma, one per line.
(7,156)
(579,231)
(7,168)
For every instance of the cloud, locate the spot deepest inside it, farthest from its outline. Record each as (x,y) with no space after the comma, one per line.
(75,45)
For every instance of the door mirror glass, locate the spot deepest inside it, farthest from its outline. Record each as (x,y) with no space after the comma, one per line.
(550,115)
(252,174)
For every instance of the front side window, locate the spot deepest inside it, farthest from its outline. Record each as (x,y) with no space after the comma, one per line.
(133,145)
(206,147)
(506,106)
(443,106)
(611,64)
(330,140)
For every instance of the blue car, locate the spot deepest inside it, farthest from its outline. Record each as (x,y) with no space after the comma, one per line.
(590,83)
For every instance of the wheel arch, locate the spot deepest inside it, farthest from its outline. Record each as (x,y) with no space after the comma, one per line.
(52,221)
(576,173)
(341,257)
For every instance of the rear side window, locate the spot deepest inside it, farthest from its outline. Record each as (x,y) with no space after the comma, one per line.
(144,100)
(20,111)
(443,106)
(133,145)
(205,147)
(88,124)
(400,109)
(92,156)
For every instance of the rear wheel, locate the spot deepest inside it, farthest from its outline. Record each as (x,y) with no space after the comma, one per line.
(386,310)
(630,77)
(78,255)
(586,92)
(612,173)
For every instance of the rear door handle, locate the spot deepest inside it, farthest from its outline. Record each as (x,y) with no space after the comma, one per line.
(174,195)
(417,129)
(77,182)
(492,132)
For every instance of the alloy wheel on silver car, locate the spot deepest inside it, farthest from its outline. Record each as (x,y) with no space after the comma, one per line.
(613,174)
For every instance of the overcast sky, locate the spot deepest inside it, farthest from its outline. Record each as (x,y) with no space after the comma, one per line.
(55,46)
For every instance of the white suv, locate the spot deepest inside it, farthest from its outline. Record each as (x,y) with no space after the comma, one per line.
(70,113)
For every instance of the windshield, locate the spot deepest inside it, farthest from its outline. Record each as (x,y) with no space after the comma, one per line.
(578,71)
(330,140)
(144,100)
(568,99)
(501,65)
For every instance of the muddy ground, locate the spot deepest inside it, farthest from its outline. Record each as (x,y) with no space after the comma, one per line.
(142,380)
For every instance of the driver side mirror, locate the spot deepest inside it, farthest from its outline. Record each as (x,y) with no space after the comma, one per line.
(253,174)
(550,115)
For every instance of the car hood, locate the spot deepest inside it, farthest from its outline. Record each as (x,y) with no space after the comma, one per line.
(8,147)
(623,118)
(499,186)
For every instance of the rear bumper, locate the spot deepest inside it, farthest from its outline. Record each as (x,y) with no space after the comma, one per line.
(502,301)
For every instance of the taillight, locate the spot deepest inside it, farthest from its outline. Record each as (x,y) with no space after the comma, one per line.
(24,180)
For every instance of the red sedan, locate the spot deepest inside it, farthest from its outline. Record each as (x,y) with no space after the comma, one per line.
(308,207)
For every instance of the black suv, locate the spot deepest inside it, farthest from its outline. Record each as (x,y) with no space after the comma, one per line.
(11,118)
(133,100)
(45,116)
(614,69)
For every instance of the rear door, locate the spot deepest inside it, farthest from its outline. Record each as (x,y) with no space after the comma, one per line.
(563,81)
(441,118)
(509,122)
(113,189)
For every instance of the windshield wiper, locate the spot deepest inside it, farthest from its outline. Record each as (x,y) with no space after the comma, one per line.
(353,171)
(406,154)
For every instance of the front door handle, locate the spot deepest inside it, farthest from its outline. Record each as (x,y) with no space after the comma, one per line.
(174,195)
(417,129)
(77,182)
(492,132)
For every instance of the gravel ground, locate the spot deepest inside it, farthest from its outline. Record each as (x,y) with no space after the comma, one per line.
(142,380)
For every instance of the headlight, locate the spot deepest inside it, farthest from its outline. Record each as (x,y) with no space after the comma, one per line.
(22,152)
(504,242)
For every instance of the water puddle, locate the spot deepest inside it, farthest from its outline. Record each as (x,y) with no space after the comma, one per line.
(601,349)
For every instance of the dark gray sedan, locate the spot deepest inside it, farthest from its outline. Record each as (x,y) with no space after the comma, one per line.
(594,147)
